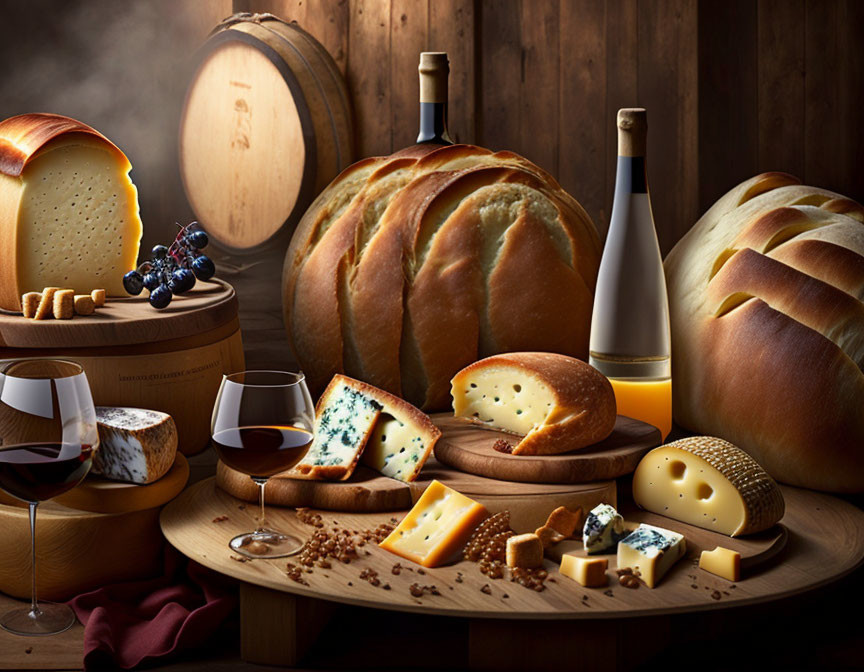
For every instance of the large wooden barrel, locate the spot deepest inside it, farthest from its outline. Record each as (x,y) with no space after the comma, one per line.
(266,125)
(134,355)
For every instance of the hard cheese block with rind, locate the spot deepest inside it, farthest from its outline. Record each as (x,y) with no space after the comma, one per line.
(558,403)
(708,482)
(68,209)
(434,531)
(135,445)
(651,551)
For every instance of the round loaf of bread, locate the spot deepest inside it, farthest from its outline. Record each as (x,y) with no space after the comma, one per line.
(408,268)
(765,296)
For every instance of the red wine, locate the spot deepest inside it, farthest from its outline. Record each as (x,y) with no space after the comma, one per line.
(434,71)
(35,472)
(262,450)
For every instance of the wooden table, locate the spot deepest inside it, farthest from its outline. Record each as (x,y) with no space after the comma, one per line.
(281,618)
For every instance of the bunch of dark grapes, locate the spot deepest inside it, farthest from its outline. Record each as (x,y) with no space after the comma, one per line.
(173,270)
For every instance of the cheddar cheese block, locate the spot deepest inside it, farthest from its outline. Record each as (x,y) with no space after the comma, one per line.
(722,562)
(588,572)
(354,418)
(435,530)
(651,551)
(135,445)
(68,210)
(557,403)
(710,483)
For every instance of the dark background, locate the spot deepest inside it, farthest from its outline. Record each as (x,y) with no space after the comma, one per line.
(732,88)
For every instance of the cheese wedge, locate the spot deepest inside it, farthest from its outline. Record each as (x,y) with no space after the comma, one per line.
(708,482)
(651,551)
(135,445)
(402,440)
(435,530)
(604,528)
(557,402)
(722,562)
(68,210)
(588,572)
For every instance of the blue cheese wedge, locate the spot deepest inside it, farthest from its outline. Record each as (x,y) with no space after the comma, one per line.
(650,552)
(135,445)
(604,528)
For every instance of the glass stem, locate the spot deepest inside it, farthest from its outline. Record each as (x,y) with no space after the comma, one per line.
(34,605)
(260,482)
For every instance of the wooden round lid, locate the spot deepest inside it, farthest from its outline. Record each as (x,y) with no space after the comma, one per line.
(127,321)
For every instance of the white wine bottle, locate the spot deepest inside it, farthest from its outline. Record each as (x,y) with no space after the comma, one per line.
(630,340)
(434,71)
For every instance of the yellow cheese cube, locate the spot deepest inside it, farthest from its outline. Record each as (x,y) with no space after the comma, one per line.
(436,529)
(525,550)
(722,562)
(588,572)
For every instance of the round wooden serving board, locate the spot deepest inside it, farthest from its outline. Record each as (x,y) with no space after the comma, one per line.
(825,542)
(468,447)
(369,492)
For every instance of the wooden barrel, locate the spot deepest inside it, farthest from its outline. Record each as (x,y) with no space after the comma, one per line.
(266,126)
(134,355)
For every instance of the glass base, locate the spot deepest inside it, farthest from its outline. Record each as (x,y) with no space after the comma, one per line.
(49,619)
(266,543)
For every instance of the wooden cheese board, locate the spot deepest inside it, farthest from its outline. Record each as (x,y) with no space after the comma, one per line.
(468,447)
(169,360)
(369,492)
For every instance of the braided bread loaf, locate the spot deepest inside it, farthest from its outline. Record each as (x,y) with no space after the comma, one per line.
(765,296)
(408,268)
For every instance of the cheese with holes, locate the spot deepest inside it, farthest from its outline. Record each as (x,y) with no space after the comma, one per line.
(135,445)
(354,418)
(557,403)
(588,572)
(604,528)
(344,419)
(651,551)
(710,483)
(435,530)
(722,562)
(68,209)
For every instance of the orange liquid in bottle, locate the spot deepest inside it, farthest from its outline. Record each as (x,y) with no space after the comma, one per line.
(646,400)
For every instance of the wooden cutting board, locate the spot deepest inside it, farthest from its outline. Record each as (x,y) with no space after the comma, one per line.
(468,447)
(369,492)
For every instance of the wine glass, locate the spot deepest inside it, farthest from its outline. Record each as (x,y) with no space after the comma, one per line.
(262,424)
(48,438)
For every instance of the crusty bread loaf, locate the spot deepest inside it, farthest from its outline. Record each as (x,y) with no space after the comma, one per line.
(558,403)
(408,268)
(765,296)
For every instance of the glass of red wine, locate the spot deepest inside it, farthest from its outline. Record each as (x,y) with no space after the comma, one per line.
(48,437)
(262,425)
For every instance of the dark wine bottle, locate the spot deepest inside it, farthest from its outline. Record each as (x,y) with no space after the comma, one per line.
(434,70)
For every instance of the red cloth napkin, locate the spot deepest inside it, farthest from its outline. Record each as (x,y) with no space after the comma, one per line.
(127,624)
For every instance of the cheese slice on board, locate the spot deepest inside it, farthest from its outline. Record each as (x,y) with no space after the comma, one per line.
(651,551)
(68,209)
(135,445)
(354,418)
(558,403)
(710,483)
(435,530)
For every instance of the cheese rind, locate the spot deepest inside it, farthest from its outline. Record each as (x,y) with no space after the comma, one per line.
(557,402)
(68,207)
(588,572)
(710,483)
(135,445)
(722,562)
(651,551)
(604,528)
(436,528)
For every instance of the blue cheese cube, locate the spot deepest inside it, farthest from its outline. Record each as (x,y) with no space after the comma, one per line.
(604,528)
(650,552)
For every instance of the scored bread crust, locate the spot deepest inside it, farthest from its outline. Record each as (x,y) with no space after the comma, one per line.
(768,329)
(410,267)
(584,411)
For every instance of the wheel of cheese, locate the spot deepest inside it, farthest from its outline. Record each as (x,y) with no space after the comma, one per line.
(266,125)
